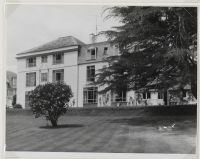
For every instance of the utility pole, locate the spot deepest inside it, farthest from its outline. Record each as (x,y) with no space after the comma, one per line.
(96,25)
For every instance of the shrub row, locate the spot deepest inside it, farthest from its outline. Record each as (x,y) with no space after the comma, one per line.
(136,111)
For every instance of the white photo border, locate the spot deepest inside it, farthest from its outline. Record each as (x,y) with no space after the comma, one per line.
(69,155)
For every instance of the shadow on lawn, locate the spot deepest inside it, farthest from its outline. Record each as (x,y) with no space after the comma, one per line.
(180,122)
(62,126)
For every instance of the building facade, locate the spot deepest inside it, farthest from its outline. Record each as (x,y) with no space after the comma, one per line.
(69,60)
(11,85)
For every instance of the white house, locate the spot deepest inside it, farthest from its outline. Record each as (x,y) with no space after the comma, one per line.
(74,62)
(11,79)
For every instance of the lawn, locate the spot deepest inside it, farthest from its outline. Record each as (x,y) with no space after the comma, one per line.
(124,134)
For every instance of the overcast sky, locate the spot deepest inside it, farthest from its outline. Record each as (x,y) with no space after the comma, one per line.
(29,26)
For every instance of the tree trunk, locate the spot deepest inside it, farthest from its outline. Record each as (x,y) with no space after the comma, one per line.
(54,123)
(193,79)
(194,89)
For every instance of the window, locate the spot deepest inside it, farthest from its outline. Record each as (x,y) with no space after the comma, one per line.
(92,53)
(160,95)
(31,79)
(146,95)
(121,97)
(44,59)
(90,95)
(58,75)
(90,73)
(105,50)
(13,79)
(27,100)
(58,58)
(31,62)
(44,77)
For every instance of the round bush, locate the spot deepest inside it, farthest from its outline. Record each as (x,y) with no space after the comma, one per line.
(50,100)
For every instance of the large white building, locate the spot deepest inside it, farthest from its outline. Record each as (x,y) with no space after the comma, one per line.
(74,62)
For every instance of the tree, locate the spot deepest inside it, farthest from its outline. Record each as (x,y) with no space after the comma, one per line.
(50,100)
(158,49)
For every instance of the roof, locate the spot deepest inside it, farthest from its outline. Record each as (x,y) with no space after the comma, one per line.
(154,82)
(56,44)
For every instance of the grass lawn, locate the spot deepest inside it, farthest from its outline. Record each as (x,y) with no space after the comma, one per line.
(124,134)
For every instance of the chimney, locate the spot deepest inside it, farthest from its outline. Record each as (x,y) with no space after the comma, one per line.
(93,38)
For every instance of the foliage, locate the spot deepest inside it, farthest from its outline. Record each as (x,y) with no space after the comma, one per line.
(50,100)
(158,48)
(14,100)
(17,106)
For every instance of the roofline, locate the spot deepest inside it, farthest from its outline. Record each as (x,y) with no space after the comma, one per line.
(99,42)
(67,49)
(28,52)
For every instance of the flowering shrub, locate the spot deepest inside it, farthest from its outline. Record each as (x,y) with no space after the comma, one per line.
(50,100)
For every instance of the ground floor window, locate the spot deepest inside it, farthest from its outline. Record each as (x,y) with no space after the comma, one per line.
(146,95)
(121,97)
(90,95)
(160,95)
(27,100)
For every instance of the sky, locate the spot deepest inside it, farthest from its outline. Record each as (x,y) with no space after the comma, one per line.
(29,26)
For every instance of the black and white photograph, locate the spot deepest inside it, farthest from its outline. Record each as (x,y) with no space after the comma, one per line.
(101,79)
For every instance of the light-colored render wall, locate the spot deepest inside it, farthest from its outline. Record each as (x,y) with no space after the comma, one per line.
(70,74)
(82,80)
(75,75)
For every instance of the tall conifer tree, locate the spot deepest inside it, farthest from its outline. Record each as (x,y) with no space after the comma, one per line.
(158,47)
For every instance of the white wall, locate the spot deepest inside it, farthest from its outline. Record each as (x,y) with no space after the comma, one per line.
(70,78)
(82,83)
(130,98)
(70,73)
(21,87)
(74,75)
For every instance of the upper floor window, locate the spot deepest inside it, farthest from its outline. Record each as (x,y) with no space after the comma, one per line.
(44,77)
(58,58)
(31,62)
(92,53)
(58,75)
(31,79)
(44,59)
(105,50)
(13,79)
(91,73)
